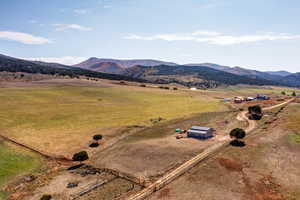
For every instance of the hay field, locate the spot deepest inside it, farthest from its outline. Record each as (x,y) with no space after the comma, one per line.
(62,118)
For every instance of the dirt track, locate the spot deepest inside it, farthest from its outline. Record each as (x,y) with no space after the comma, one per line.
(197,159)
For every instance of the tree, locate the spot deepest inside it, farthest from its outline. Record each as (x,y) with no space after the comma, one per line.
(46,197)
(80,156)
(294,94)
(97,137)
(255,112)
(238,133)
(283,93)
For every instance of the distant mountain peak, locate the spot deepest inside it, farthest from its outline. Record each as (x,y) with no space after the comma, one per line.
(122,63)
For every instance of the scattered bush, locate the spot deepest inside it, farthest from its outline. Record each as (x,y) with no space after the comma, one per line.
(283,93)
(237,133)
(164,87)
(255,112)
(46,197)
(97,137)
(175,88)
(294,94)
(142,85)
(81,156)
(156,120)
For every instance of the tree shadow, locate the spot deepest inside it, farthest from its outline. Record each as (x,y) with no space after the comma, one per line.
(75,167)
(237,143)
(94,145)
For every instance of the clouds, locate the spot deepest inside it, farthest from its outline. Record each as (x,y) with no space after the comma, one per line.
(215,38)
(80,11)
(63,27)
(66,60)
(24,38)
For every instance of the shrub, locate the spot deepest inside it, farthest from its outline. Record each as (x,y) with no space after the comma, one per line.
(283,93)
(81,156)
(255,112)
(46,197)
(175,88)
(294,94)
(97,137)
(255,109)
(142,85)
(238,133)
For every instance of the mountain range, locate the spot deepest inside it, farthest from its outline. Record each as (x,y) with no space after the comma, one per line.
(10,64)
(156,71)
(115,66)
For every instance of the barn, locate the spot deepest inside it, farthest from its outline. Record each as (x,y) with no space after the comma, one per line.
(200,132)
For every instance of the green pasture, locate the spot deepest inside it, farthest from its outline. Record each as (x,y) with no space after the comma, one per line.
(14,162)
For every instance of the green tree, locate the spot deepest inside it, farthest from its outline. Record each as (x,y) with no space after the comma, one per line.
(237,133)
(255,112)
(294,94)
(80,156)
(97,137)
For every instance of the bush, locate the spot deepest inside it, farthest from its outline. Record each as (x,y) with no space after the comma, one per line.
(46,197)
(97,137)
(294,94)
(81,156)
(283,93)
(255,109)
(175,88)
(255,112)
(238,133)
(142,85)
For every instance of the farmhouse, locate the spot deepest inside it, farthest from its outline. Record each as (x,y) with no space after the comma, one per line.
(200,132)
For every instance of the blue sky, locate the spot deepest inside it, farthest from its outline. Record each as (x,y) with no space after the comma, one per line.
(258,34)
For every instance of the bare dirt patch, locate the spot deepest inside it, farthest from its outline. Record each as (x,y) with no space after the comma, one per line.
(268,169)
(231,165)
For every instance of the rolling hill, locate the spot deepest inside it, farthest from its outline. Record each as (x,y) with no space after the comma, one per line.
(123,64)
(200,76)
(10,64)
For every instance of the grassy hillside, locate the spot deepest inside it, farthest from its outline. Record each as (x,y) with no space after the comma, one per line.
(10,64)
(62,118)
(202,76)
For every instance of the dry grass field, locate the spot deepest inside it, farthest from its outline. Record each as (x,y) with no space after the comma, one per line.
(267,168)
(60,117)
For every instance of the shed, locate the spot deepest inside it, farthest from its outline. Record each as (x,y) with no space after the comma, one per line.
(200,132)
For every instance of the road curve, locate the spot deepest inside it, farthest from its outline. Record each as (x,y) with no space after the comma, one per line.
(169,177)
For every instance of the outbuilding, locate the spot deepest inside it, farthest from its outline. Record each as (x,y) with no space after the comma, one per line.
(200,132)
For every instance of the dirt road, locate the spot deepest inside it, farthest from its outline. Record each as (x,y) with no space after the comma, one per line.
(252,123)
(169,177)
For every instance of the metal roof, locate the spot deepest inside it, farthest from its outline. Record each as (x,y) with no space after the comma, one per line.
(200,128)
(198,132)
